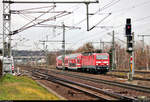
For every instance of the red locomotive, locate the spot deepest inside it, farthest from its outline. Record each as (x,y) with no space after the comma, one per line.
(93,62)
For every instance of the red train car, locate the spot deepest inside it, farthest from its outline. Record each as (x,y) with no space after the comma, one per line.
(96,62)
(66,60)
(74,61)
(93,62)
(59,62)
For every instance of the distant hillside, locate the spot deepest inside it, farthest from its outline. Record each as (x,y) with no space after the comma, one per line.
(27,53)
(35,53)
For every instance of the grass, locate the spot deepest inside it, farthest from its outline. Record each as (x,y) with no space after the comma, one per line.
(23,88)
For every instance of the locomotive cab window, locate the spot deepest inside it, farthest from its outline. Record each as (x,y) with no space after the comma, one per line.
(101,57)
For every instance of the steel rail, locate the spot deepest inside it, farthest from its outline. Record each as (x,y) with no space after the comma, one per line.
(136,71)
(136,78)
(124,85)
(60,80)
(52,79)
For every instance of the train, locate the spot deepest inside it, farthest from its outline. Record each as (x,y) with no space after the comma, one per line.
(88,62)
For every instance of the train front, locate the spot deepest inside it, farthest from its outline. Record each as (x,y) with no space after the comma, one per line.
(102,62)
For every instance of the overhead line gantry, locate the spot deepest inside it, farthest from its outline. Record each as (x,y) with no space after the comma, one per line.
(23,2)
(7,20)
(143,35)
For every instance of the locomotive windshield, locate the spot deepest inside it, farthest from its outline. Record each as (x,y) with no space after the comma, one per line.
(101,57)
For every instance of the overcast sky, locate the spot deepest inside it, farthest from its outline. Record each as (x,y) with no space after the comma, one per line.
(137,10)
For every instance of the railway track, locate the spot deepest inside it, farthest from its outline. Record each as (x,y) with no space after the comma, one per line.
(87,89)
(136,71)
(108,82)
(135,78)
(134,88)
(124,76)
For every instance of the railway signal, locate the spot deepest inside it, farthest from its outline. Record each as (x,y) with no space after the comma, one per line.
(130,42)
(129,36)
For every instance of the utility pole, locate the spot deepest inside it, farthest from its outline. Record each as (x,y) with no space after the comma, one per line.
(113,64)
(87,13)
(6,32)
(63,45)
(103,46)
(46,53)
(113,51)
(144,46)
(133,61)
(100,44)
(45,46)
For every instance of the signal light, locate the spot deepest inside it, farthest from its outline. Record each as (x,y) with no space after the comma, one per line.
(129,47)
(129,44)
(128,29)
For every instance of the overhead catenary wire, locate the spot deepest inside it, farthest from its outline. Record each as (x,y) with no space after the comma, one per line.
(137,20)
(32,8)
(103,8)
(37,18)
(122,25)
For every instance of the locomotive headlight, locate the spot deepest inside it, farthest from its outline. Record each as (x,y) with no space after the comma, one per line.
(105,62)
(98,62)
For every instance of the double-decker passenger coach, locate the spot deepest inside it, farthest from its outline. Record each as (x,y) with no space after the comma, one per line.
(92,62)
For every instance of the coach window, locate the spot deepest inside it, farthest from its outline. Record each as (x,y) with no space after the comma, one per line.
(66,61)
(78,60)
